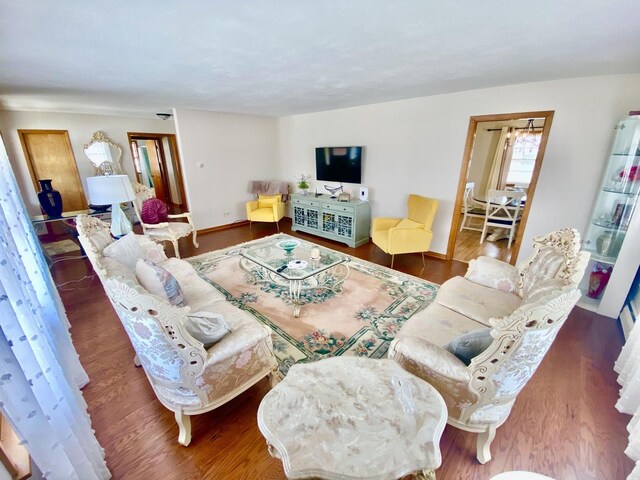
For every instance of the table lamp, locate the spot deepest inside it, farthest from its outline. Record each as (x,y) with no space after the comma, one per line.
(114,190)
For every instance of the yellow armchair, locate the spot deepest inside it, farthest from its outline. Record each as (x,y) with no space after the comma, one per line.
(407,235)
(268,208)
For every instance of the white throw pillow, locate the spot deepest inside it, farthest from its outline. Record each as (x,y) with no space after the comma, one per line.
(206,327)
(125,250)
(158,281)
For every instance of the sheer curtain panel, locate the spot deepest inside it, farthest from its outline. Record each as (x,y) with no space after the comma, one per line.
(628,368)
(40,373)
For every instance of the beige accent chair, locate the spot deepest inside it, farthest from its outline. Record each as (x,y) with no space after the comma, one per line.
(187,378)
(406,235)
(165,231)
(524,307)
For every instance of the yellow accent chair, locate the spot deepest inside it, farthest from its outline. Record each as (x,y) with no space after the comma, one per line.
(268,208)
(407,235)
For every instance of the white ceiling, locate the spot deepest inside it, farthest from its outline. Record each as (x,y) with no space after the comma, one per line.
(293,56)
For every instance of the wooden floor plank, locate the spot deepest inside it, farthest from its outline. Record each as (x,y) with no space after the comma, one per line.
(563,424)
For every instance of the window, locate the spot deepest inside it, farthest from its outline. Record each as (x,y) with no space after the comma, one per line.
(523,159)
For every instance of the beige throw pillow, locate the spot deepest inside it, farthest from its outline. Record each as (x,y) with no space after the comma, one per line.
(125,250)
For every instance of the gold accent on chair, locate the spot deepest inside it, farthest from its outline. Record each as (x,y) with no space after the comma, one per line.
(407,235)
(165,231)
(267,208)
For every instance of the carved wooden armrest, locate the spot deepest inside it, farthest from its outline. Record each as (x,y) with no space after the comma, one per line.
(156,225)
(186,215)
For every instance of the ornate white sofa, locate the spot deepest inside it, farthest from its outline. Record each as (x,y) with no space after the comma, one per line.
(187,378)
(523,306)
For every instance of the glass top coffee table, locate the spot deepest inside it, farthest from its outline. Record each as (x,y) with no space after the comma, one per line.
(298,264)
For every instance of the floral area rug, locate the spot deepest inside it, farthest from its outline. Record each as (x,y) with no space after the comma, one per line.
(360,320)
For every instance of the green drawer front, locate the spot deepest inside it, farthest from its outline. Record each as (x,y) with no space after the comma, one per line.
(340,208)
(308,203)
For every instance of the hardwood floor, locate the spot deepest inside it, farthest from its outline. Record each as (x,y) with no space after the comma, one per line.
(468,245)
(563,424)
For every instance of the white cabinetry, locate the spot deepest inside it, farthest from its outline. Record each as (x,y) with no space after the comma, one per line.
(613,234)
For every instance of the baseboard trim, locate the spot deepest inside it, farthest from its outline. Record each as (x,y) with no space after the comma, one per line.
(226,226)
(441,256)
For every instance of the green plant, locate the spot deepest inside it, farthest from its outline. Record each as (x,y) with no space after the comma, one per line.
(303,183)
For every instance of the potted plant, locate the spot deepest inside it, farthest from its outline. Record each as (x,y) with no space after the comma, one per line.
(303,183)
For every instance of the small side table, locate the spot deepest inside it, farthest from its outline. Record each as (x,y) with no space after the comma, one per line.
(350,418)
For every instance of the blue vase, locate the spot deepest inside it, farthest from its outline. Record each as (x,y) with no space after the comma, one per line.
(49,198)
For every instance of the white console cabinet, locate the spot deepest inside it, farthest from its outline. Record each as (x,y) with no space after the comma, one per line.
(347,222)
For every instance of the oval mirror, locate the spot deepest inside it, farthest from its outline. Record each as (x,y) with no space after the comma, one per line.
(103,154)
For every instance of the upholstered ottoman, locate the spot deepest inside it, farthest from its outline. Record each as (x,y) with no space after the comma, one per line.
(353,418)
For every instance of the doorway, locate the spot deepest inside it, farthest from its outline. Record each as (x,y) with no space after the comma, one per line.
(503,152)
(157,165)
(49,155)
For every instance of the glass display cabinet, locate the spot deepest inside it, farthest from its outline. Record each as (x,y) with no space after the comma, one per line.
(612,213)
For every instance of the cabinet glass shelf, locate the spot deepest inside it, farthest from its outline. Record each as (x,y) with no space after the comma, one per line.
(620,192)
(609,226)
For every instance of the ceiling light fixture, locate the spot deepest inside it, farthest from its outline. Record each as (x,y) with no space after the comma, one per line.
(527,138)
(164,116)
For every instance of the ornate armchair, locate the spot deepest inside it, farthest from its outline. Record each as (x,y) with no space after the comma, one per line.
(165,231)
(406,235)
(523,307)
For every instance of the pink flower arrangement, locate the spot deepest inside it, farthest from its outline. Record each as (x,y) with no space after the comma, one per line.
(632,175)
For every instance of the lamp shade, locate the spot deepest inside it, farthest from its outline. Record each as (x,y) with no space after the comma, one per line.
(110,189)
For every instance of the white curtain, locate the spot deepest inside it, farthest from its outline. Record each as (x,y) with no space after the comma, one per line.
(496,167)
(40,373)
(628,368)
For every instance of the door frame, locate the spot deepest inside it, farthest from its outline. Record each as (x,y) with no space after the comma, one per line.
(31,166)
(173,145)
(466,161)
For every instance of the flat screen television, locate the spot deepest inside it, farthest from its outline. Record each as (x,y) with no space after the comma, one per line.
(339,164)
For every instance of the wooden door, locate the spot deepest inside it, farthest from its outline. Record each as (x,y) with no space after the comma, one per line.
(155,165)
(49,155)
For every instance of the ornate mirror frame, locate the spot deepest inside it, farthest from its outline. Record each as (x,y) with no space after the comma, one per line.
(104,167)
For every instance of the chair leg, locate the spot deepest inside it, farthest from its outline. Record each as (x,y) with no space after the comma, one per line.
(464,219)
(175,248)
(184,424)
(392,256)
(195,236)
(278,226)
(484,444)
(136,361)
(510,238)
(250,223)
(423,262)
(484,232)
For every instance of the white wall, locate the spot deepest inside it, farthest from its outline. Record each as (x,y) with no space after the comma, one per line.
(221,153)
(80,128)
(416,145)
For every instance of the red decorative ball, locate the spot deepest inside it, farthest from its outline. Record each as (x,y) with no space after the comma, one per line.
(154,211)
